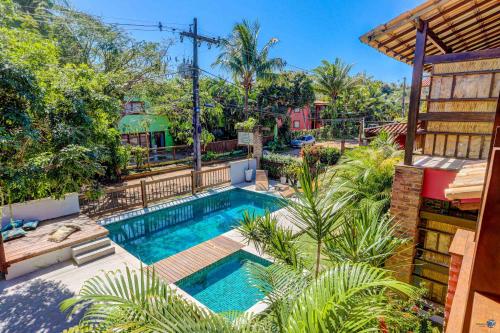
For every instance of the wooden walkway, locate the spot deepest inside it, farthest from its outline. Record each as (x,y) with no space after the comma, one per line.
(185,263)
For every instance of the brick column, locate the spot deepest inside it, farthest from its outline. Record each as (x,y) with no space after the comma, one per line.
(405,208)
(257,145)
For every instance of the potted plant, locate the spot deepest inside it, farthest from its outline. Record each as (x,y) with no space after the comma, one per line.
(282,172)
(247,126)
(248,175)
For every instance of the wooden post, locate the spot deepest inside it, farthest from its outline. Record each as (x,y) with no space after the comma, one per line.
(193,182)
(416,86)
(3,259)
(144,194)
(486,263)
(361,131)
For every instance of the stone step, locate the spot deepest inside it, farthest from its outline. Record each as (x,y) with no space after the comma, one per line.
(89,246)
(94,254)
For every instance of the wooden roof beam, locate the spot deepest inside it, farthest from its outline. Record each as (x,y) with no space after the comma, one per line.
(438,42)
(463,56)
(452,26)
(375,35)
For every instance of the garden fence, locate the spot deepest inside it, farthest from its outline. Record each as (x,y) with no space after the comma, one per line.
(146,192)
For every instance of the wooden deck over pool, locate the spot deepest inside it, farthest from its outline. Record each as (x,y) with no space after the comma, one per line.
(36,242)
(185,263)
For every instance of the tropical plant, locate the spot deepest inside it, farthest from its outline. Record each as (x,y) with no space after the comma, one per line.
(365,174)
(248,125)
(268,237)
(345,298)
(366,235)
(316,214)
(134,301)
(243,59)
(332,80)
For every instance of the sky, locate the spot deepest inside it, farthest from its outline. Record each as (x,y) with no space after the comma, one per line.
(308,31)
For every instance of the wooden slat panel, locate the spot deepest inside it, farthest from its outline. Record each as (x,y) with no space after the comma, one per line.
(458,116)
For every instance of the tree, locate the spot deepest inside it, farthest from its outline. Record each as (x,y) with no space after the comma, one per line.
(58,118)
(331,80)
(243,59)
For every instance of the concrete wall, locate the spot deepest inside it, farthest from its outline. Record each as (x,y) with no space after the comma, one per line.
(38,262)
(42,209)
(238,168)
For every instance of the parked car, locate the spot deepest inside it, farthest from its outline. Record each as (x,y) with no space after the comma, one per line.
(303,141)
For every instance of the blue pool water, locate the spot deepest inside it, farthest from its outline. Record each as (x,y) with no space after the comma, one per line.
(157,235)
(223,286)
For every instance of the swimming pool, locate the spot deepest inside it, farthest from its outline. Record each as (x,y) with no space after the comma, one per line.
(160,234)
(224,286)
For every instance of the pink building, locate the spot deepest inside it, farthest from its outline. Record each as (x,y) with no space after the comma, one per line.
(304,118)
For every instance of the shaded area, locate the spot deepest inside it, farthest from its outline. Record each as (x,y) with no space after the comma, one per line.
(34,307)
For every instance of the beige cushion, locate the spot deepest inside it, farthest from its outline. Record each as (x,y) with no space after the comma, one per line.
(63,232)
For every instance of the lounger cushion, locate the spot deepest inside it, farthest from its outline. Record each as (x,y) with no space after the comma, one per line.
(30,224)
(63,232)
(13,234)
(12,225)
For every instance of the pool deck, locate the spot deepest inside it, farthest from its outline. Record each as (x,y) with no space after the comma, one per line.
(32,301)
(185,263)
(36,242)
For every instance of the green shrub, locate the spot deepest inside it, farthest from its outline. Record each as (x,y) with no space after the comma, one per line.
(329,155)
(139,154)
(325,155)
(277,165)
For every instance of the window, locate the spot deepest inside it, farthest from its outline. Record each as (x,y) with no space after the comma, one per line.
(296,124)
(134,107)
(296,110)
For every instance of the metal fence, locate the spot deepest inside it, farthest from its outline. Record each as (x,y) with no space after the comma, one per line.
(146,192)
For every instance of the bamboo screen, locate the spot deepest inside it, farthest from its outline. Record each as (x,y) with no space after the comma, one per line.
(471,86)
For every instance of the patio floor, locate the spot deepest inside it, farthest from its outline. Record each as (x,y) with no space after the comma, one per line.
(30,303)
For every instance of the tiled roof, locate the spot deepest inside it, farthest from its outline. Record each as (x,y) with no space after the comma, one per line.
(393,129)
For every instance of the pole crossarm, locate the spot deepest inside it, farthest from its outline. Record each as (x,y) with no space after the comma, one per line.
(202,38)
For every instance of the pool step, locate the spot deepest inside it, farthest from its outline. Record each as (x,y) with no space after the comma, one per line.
(92,250)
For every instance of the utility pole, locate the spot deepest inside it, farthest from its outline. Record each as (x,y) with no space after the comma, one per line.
(404,97)
(197,39)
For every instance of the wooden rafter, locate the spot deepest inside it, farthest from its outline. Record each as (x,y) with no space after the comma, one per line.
(456,26)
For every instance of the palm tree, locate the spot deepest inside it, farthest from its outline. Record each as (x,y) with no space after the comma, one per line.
(243,59)
(346,298)
(333,79)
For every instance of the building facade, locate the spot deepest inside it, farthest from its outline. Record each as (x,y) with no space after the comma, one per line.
(307,117)
(445,195)
(138,128)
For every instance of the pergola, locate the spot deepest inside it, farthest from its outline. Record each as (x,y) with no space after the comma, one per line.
(439,32)
(458,32)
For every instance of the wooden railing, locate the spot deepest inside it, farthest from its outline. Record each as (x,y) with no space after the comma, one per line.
(146,192)
(210,178)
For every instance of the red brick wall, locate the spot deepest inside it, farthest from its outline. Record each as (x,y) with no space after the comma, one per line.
(405,208)
(455,266)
